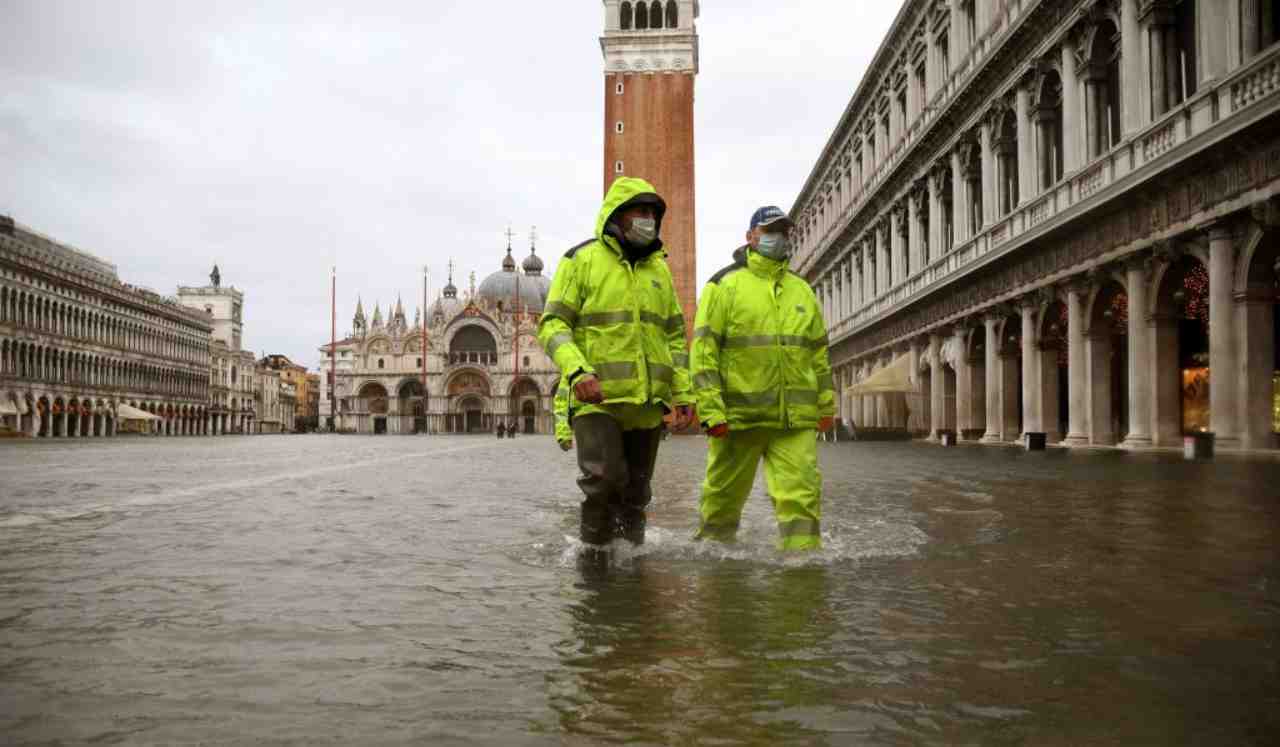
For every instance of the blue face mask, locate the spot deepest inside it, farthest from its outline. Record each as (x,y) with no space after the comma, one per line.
(774,246)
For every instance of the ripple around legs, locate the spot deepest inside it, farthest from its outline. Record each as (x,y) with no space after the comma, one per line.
(319,589)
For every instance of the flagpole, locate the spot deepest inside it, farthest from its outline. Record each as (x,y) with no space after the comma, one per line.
(333,352)
(425,416)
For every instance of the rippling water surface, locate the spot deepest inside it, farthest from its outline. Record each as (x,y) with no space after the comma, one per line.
(317,589)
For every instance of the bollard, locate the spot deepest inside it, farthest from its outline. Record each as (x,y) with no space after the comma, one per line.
(1198,446)
(1035,441)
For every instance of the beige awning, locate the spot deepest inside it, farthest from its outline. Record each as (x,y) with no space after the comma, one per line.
(7,408)
(128,412)
(895,377)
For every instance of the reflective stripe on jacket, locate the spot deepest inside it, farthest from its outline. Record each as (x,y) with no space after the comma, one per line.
(759,356)
(564,430)
(620,322)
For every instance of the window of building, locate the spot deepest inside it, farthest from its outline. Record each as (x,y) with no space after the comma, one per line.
(617,127)
(617,167)
(381,363)
(526,361)
(419,363)
(970,20)
(902,111)
(655,14)
(642,16)
(618,89)
(944,55)
(673,14)
(624,17)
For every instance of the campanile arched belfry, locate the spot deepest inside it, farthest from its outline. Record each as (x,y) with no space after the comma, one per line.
(650,61)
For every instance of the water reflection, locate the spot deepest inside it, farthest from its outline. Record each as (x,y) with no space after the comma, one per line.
(669,653)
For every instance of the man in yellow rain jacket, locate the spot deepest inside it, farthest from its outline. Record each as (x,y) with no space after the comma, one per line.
(613,325)
(763,383)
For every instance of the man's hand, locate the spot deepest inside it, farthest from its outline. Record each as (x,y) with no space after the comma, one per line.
(587,388)
(826,424)
(718,431)
(681,418)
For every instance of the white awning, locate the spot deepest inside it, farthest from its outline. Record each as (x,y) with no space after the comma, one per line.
(895,377)
(127,412)
(7,408)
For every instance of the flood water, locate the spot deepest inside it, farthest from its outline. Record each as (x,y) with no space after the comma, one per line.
(361,590)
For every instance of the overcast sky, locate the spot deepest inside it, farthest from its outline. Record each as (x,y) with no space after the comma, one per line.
(283,138)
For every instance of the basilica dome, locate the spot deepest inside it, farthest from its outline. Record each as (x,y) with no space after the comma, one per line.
(502,286)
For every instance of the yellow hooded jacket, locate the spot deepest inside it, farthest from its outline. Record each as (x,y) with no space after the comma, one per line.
(618,321)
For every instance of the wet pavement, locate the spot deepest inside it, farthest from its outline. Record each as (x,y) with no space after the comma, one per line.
(360,590)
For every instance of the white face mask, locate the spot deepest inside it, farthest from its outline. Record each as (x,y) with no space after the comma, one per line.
(774,245)
(643,231)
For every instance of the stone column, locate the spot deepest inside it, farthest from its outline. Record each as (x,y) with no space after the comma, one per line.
(1139,356)
(1031,422)
(1257,358)
(1025,175)
(1099,415)
(964,382)
(991,370)
(937,388)
(896,245)
(1213,38)
(1094,120)
(1224,390)
(935,222)
(1072,122)
(1159,86)
(1132,111)
(1077,379)
(913,237)
(959,205)
(915,421)
(957,34)
(989,192)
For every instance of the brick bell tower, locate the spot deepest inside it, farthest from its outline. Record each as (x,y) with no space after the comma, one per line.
(650,61)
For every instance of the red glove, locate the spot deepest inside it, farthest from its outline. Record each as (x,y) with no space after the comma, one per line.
(587,387)
(718,431)
(826,424)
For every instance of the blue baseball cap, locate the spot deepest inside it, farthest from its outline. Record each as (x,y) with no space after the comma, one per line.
(767,216)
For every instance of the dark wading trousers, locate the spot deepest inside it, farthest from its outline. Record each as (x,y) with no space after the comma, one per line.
(616,468)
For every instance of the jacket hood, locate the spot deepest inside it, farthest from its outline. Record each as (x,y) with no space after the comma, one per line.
(625,192)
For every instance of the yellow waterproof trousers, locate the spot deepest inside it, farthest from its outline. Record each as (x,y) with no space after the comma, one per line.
(791,473)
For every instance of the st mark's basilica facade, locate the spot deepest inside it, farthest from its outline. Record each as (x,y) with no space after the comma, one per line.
(478,354)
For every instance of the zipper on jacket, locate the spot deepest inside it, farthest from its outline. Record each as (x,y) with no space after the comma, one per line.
(782,358)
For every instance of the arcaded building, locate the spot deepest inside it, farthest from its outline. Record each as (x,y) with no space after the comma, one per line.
(80,350)
(1060,217)
(469,364)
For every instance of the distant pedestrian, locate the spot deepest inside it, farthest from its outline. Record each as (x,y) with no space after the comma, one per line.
(502,429)
(613,325)
(763,382)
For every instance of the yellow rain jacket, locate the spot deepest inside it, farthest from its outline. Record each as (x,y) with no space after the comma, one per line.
(760,349)
(618,321)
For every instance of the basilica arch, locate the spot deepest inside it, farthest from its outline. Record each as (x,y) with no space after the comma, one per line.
(372,407)
(469,405)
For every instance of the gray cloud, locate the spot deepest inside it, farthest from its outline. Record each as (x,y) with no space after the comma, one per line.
(282,140)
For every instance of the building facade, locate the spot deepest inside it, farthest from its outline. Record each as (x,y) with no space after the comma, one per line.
(297,384)
(80,350)
(1064,214)
(473,362)
(650,62)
